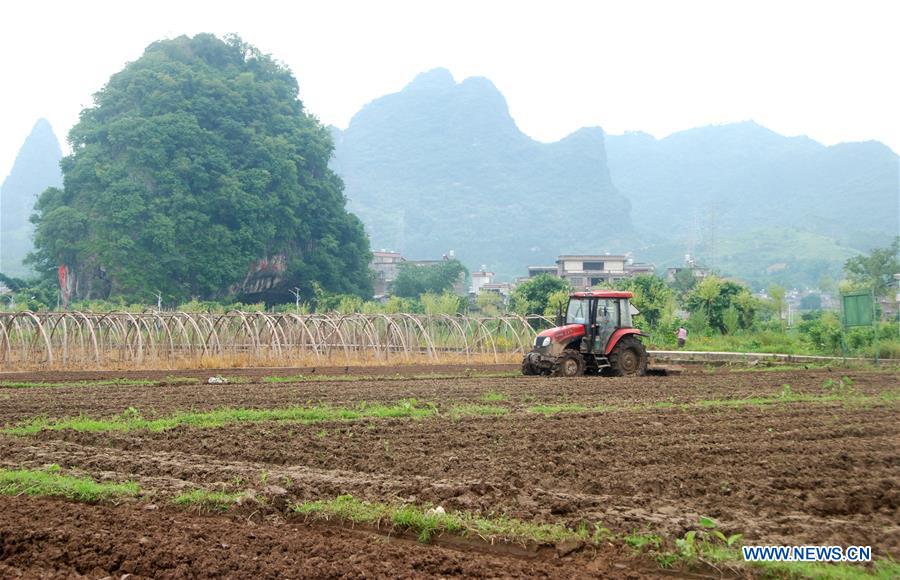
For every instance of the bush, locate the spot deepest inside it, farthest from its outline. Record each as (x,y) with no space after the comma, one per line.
(822,331)
(489,303)
(446,303)
(412,280)
(533,296)
(652,297)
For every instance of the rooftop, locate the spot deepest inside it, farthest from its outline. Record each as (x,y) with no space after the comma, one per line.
(601,294)
(591,257)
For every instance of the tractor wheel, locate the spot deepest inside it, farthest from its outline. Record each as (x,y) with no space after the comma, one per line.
(569,364)
(529,369)
(628,358)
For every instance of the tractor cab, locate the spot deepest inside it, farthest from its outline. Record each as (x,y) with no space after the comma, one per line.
(601,316)
(594,336)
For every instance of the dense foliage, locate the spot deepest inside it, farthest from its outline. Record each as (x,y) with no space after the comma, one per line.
(875,271)
(652,297)
(414,280)
(196,162)
(536,295)
(724,305)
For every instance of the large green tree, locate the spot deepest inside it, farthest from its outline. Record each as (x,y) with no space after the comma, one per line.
(196,171)
(716,300)
(875,271)
(651,296)
(413,280)
(535,295)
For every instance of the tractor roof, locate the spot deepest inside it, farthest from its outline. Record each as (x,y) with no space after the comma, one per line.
(601,294)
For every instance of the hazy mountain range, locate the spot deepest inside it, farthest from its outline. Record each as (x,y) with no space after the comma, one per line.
(441,165)
(755,203)
(36,168)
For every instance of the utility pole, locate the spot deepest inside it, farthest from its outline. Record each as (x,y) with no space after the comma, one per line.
(296,292)
(158,301)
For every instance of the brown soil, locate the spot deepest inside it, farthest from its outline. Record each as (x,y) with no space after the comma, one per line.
(817,473)
(164,398)
(49,538)
(255,372)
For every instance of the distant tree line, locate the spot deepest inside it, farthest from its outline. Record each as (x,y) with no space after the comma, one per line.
(724,312)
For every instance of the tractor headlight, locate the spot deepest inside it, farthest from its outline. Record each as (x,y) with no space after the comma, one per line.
(542,341)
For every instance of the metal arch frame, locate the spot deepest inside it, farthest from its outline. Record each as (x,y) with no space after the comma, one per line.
(40,327)
(313,343)
(135,338)
(429,343)
(393,327)
(90,325)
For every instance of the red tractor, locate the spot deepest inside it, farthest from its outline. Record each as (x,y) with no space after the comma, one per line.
(595,337)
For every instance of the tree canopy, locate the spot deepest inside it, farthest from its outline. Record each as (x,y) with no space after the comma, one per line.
(725,305)
(414,280)
(197,167)
(651,296)
(875,271)
(533,296)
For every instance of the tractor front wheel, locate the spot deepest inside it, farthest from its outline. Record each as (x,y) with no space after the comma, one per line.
(569,364)
(628,358)
(529,369)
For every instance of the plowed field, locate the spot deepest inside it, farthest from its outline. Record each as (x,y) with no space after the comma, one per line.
(800,457)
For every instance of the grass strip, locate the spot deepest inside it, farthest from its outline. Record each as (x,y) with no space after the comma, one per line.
(426,523)
(493,397)
(104,383)
(208,500)
(50,482)
(558,408)
(132,419)
(786,395)
(704,545)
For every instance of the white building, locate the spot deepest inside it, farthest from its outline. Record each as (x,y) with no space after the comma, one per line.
(480,278)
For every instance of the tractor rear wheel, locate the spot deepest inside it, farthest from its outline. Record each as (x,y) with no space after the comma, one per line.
(628,358)
(569,364)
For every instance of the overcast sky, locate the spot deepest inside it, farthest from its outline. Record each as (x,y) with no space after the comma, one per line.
(821,68)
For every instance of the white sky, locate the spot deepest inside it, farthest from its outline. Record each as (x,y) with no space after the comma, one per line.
(822,68)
